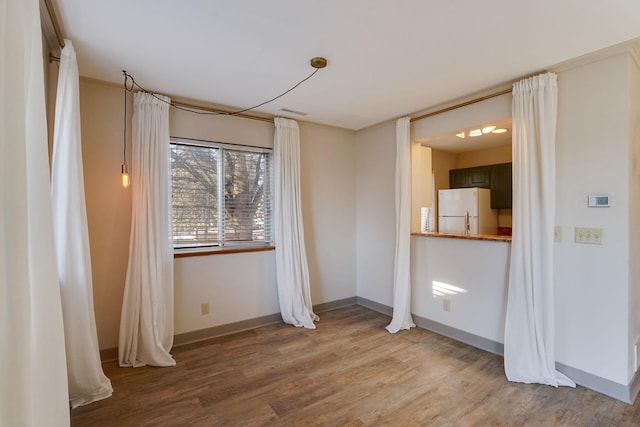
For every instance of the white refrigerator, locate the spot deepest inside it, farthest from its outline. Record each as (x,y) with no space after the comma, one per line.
(454,204)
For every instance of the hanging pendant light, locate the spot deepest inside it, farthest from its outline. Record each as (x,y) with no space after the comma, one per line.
(125,175)
(125,169)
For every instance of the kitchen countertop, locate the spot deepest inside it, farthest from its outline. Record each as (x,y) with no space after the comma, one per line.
(487,237)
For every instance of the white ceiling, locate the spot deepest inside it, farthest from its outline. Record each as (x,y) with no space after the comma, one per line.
(453,144)
(387,58)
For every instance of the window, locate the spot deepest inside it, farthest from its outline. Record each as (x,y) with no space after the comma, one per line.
(221,194)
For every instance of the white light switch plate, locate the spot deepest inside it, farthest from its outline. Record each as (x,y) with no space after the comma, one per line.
(591,236)
(557,234)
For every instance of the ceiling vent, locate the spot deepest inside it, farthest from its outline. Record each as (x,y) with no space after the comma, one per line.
(300,113)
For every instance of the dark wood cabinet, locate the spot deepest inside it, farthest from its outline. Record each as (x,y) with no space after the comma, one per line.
(501,191)
(479,176)
(495,177)
(458,178)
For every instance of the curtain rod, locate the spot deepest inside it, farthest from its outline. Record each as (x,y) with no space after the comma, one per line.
(222,112)
(424,116)
(54,22)
(463,104)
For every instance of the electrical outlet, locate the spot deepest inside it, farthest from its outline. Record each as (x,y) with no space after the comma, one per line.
(204,308)
(557,234)
(591,236)
(446,304)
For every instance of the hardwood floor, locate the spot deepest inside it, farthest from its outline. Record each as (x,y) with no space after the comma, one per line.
(348,372)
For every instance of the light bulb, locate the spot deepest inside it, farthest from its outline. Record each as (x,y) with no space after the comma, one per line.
(125,176)
(488,129)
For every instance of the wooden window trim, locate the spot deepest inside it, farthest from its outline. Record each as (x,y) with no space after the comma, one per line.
(223,251)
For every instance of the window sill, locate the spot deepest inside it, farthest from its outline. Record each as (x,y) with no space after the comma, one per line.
(184,253)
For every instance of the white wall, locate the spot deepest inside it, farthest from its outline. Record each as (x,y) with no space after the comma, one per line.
(238,286)
(489,156)
(421,183)
(375,213)
(328,185)
(443,162)
(634,207)
(592,280)
(108,204)
(481,268)
(488,111)
(233,130)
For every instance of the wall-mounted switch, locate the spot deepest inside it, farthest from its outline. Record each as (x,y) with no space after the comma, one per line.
(557,234)
(589,235)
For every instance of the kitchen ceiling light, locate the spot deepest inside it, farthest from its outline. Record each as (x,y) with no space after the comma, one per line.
(501,130)
(460,135)
(475,132)
(488,129)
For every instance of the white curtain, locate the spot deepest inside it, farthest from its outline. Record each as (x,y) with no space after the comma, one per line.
(146,322)
(87,382)
(402,267)
(529,353)
(33,371)
(292,272)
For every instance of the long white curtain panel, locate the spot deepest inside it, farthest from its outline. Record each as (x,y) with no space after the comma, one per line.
(87,382)
(292,272)
(529,350)
(33,369)
(146,322)
(402,268)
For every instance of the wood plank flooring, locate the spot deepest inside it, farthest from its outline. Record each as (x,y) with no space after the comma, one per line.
(348,372)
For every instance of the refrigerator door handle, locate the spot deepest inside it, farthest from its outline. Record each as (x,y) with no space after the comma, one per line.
(467,225)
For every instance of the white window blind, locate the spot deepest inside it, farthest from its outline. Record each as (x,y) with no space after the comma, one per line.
(221,194)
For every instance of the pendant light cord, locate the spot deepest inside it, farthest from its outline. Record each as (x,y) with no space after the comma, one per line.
(124,137)
(189,110)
